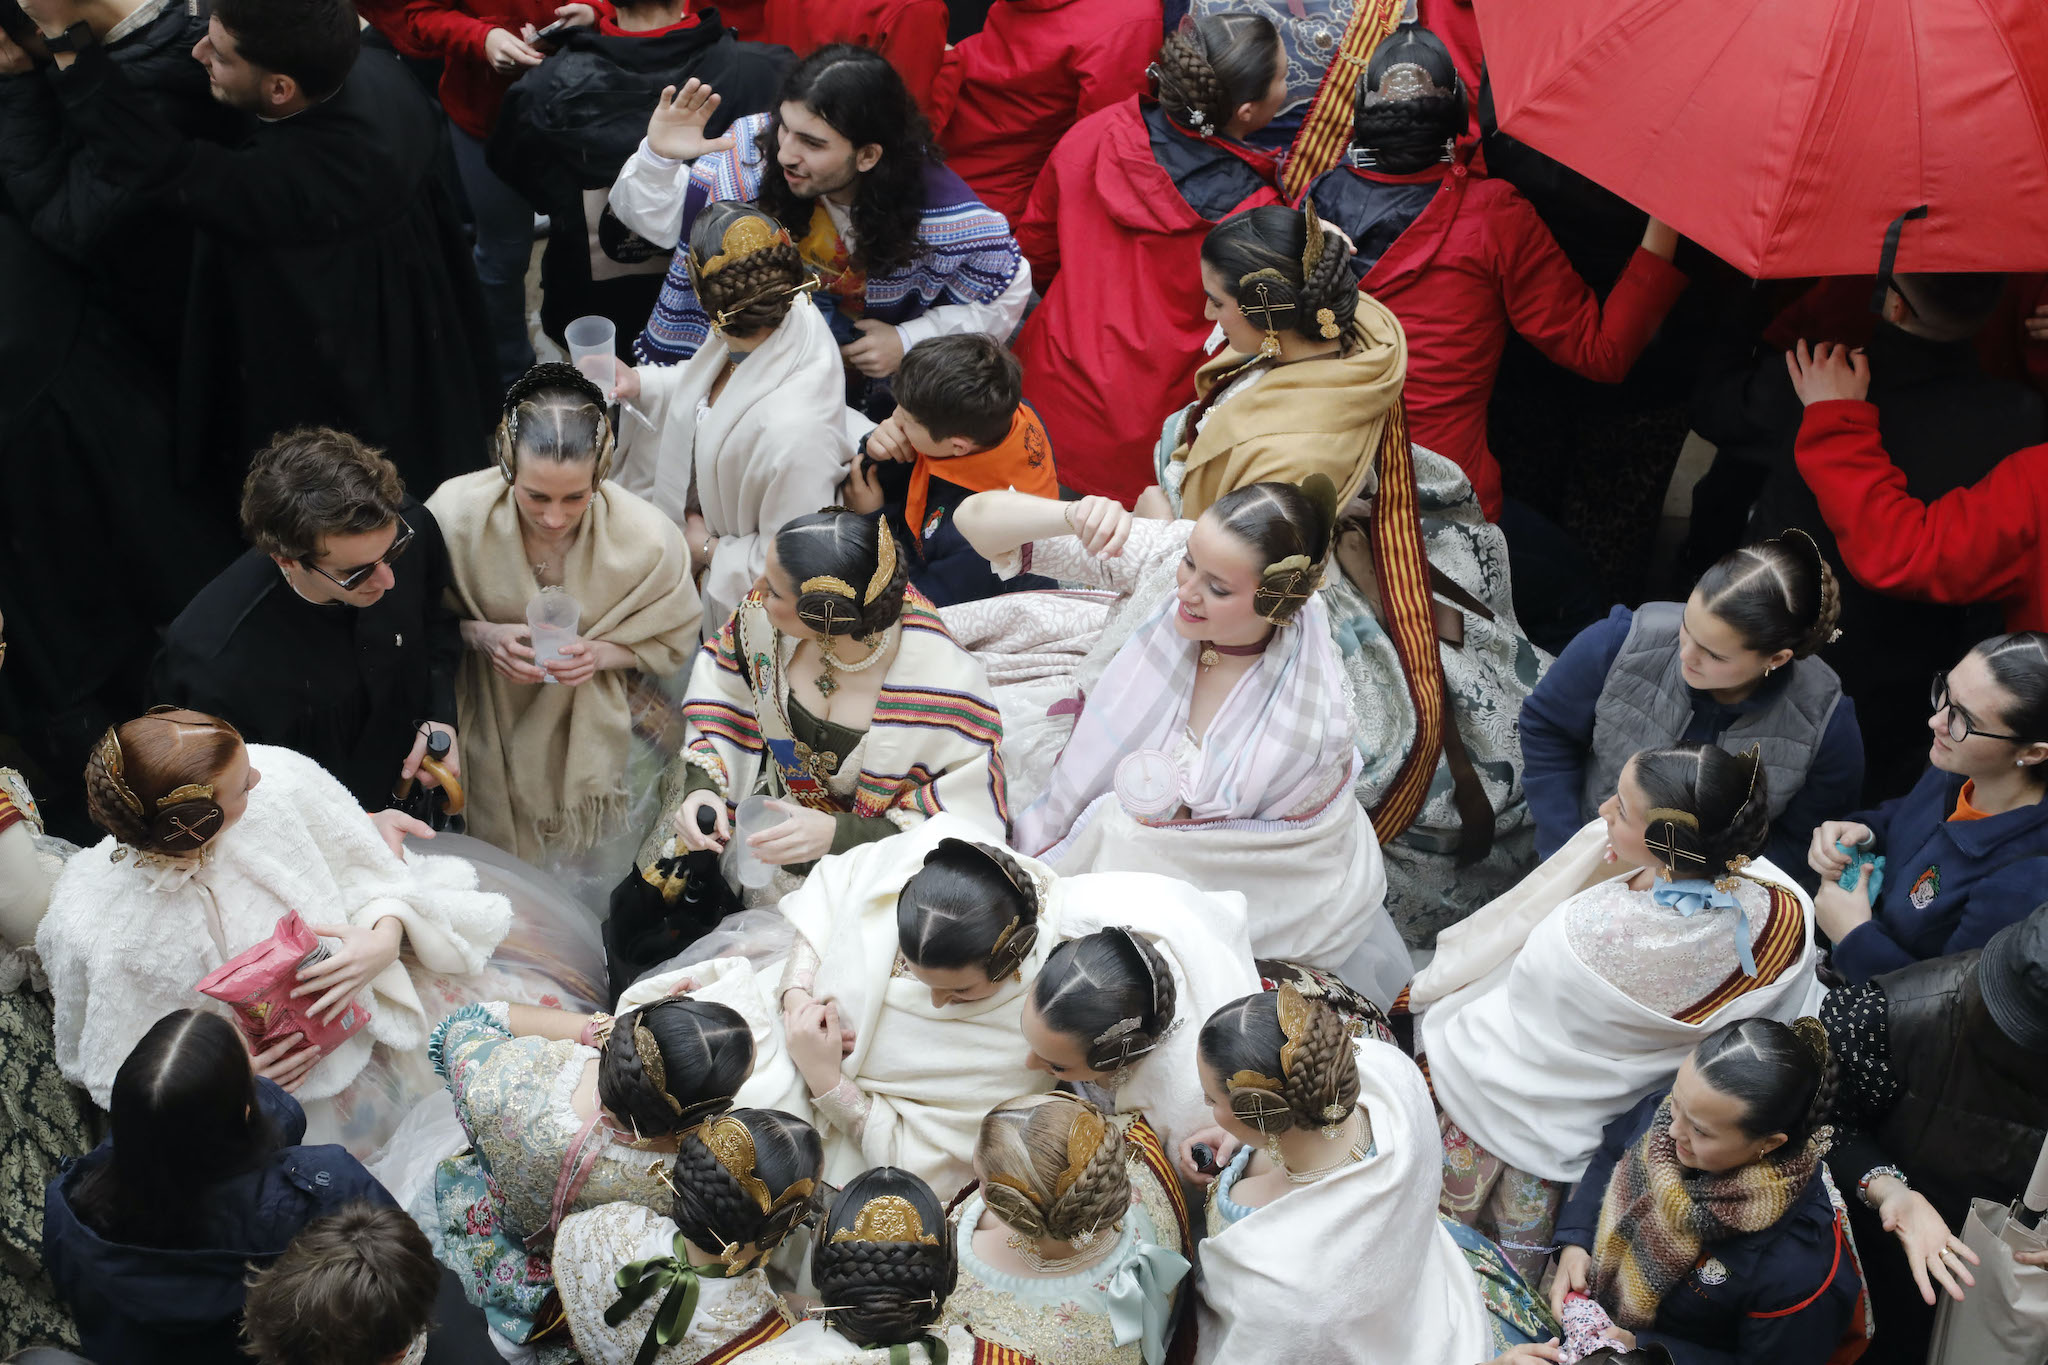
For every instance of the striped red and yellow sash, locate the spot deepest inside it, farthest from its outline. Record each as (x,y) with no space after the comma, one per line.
(1403,568)
(988,1353)
(1775,949)
(1327,129)
(1143,1142)
(771,1326)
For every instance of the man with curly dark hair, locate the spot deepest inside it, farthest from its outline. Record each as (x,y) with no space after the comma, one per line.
(902,248)
(328,636)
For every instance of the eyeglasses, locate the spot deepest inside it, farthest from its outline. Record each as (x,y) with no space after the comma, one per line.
(355,578)
(1959,728)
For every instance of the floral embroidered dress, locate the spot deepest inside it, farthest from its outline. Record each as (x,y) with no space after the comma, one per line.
(1117,1311)
(532,1160)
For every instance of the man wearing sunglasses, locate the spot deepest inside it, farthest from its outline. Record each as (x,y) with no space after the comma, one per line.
(330,636)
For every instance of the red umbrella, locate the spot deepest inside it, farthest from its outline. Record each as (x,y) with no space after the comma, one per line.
(1785,136)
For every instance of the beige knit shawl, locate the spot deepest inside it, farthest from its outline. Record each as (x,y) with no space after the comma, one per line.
(544,765)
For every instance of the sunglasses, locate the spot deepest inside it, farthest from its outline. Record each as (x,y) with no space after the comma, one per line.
(1959,728)
(356,577)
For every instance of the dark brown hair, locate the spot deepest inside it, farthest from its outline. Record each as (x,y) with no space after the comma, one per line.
(354,1288)
(1213,64)
(966,385)
(1274,239)
(315,42)
(1321,1085)
(1776,594)
(160,752)
(313,482)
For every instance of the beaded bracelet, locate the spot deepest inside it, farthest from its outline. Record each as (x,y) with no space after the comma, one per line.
(1877,1173)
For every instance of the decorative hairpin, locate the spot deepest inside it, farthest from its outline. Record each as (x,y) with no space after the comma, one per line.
(887,1218)
(111,760)
(746,235)
(884,574)
(648,1051)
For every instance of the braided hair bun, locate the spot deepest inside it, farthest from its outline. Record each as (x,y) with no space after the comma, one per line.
(756,271)
(970,905)
(842,555)
(1784,1076)
(1284,1061)
(1053,1167)
(1269,268)
(1111,991)
(1777,595)
(1211,66)
(885,1258)
(154,783)
(705,1052)
(745,1181)
(1707,809)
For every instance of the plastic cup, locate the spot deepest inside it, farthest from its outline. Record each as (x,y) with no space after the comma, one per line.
(1148,784)
(752,817)
(592,349)
(551,619)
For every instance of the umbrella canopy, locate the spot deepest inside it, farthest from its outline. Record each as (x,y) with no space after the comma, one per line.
(1786,135)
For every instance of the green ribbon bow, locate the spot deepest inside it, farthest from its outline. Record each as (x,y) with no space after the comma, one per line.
(671,1275)
(934,1350)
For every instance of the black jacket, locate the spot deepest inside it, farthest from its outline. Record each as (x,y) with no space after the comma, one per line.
(345,686)
(332,284)
(136,258)
(149,1306)
(568,125)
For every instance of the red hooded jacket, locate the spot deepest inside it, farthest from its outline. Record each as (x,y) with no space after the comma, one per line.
(910,33)
(1008,93)
(1477,263)
(1114,347)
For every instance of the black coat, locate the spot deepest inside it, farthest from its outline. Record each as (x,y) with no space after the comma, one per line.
(136,258)
(331,285)
(1945,424)
(568,125)
(345,686)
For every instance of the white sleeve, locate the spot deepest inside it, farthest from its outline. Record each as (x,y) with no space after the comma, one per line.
(649,193)
(998,318)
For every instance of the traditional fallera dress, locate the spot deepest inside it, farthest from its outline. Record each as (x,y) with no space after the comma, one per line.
(1117,1310)
(129,936)
(532,1161)
(1555,1008)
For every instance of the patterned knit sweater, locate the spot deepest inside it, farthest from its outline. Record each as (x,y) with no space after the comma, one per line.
(969,255)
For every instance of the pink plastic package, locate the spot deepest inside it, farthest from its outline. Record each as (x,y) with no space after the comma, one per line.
(258,984)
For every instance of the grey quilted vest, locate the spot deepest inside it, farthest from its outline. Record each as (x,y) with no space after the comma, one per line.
(1645,704)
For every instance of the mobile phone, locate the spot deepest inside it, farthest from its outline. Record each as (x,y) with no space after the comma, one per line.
(553,31)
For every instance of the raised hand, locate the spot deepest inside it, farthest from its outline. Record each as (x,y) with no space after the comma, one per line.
(676,129)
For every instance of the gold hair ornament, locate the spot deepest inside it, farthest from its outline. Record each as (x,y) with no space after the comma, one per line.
(649,1052)
(886,1218)
(748,234)
(732,1145)
(111,760)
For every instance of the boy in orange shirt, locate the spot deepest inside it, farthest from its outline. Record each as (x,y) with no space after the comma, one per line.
(961,426)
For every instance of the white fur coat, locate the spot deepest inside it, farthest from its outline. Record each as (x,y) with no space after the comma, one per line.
(127,940)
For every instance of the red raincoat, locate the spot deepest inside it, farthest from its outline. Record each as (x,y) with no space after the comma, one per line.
(910,33)
(1477,262)
(1008,93)
(1114,347)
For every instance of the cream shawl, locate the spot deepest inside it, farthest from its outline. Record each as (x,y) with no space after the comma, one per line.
(1533,1052)
(931,744)
(1354,1269)
(929,1073)
(1321,416)
(544,765)
(772,448)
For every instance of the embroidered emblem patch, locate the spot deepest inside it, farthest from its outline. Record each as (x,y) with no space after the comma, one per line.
(931,523)
(1926,888)
(1712,1272)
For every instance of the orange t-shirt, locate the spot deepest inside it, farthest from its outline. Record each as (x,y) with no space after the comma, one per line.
(1964,810)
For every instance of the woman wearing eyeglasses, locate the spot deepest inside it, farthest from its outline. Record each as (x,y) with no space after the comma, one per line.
(1965,853)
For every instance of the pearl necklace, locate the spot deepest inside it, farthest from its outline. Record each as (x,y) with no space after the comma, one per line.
(1356,1154)
(829,665)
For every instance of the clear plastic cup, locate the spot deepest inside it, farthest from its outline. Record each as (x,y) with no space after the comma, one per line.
(551,619)
(592,343)
(1148,784)
(753,815)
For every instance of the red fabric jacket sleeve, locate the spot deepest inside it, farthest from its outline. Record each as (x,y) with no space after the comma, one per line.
(1975,544)
(1559,314)
(1038,234)
(444,29)
(945,96)
(1112,69)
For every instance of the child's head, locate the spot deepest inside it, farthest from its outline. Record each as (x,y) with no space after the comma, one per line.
(354,1288)
(956,395)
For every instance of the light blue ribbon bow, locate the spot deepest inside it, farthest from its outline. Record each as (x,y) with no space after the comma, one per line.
(1692,895)
(1139,1297)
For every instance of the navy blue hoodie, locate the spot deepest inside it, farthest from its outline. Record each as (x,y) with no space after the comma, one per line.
(149,1306)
